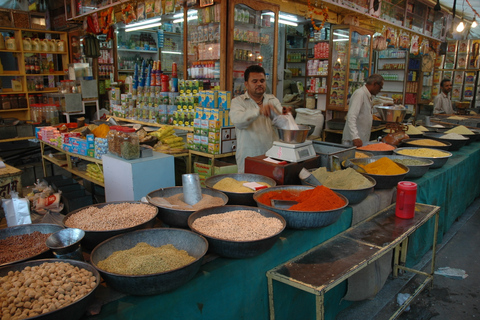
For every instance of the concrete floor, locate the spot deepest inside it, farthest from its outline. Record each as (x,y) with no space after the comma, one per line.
(449,299)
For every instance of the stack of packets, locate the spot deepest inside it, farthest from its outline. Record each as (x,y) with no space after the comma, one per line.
(95,171)
(168,141)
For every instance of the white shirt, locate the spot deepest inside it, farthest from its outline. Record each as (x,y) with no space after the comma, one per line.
(255,133)
(442,104)
(359,117)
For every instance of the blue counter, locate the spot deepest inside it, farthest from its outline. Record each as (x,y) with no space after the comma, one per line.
(237,289)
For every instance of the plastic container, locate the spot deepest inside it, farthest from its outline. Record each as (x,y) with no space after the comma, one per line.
(113,142)
(406,198)
(130,147)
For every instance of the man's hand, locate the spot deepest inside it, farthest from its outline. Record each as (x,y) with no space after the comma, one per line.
(357,142)
(267,110)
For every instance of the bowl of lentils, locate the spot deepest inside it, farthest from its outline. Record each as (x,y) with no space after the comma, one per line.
(439,157)
(417,167)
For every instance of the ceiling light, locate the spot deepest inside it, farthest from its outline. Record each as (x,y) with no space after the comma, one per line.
(146,26)
(474,23)
(290,23)
(460,26)
(141,23)
(188,19)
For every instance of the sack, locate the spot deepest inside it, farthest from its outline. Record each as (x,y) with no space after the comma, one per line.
(285,122)
(17,210)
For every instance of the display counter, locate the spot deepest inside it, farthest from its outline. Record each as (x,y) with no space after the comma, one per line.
(237,289)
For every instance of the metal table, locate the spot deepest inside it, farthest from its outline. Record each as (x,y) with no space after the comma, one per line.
(330,263)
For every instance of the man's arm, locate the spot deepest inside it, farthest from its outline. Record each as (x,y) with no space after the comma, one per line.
(437,105)
(241,115)
(356,102)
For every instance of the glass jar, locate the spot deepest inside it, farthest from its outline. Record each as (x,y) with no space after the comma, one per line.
(113,143)
(130,146)
(22,102)
(13,101)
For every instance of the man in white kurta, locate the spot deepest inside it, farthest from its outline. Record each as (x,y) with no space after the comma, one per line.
(359,120)
(442,103)
(250,113)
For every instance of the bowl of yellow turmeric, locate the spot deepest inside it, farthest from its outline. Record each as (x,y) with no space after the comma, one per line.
(427,143)
(385,171)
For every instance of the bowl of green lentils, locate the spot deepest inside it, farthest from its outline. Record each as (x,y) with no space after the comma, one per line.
(418,167)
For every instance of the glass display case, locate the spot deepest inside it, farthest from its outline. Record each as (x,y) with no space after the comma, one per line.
(206,41)
(416,16)
(254,41)
(351,59)
(393,11)
(391,64)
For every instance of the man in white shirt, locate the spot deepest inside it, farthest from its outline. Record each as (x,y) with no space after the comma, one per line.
(358,125)
(251,114)
(442,103)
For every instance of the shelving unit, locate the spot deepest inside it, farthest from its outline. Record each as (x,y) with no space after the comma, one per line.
(412,83)
(392,64)
(16,67)
(68,164)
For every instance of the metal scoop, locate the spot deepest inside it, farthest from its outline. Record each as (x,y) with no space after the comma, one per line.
(283,204)
(192,192)
(309,178)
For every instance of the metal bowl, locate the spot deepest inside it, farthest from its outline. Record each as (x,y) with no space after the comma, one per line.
(294,136)
(437,162)
(92,238)
(156,283)
(391,113)
(27,229)
(178,218)
(354,196)
(302,219)
(239,198)
(237,249)
(456,144)
(477,134)
(73,311)
(411,143)
(383,181)
(415,171)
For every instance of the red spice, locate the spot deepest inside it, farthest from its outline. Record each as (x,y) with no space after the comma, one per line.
(320,198)
(377,147)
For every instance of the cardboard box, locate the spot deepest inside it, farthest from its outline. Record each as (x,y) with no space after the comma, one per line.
(224,99)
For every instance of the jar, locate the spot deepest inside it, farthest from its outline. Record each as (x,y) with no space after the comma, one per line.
(130,147)
(22,102)
(112,139)
(13,101)
(34,113)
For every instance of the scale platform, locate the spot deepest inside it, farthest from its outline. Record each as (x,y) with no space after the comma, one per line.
(292,152)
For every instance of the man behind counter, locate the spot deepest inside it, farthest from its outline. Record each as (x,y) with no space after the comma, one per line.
(251,114)
(359,117)
(441,103)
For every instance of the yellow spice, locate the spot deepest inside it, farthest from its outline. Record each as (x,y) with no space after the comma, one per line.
(460,130)
(424,153)
(232,185)
(422,128)
(428,142)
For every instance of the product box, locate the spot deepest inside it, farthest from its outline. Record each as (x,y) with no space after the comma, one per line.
(202,169)
(214,126)
(204,127)
(224,99)
(196,142)
(203,144)
(171,110)
(91,153)
(228,140)
(213,148)
(214,137)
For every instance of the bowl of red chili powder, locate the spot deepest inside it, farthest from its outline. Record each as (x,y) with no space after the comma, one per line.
(317,206)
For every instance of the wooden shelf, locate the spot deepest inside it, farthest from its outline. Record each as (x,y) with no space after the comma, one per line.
(148,124)
(14,110)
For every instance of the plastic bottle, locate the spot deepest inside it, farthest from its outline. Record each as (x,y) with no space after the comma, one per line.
(406,198)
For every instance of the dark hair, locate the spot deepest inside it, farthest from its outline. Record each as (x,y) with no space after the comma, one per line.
(443,82)
(375,78)
(253,68)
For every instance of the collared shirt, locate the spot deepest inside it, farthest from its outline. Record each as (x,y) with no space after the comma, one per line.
(442,104)
(359,117)
(255,133)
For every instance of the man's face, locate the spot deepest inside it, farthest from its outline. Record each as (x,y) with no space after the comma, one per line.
(377,87)
(256,84)
(447,87)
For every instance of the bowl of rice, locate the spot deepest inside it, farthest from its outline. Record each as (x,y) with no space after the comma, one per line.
(464,131)
(439,157)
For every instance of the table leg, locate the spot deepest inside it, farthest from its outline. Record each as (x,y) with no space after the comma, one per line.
(396,255)
(42,150)
(271,304)
(319,307)
(189,162)
(403,255)
(434,247)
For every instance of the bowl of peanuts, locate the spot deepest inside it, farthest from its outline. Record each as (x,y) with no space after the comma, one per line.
(63,289)
(236,231)
(105,220)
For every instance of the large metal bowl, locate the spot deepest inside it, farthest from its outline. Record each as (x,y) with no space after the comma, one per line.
(456,144)
(354,196)
(156,283)
(378,153)
(237,249)
(391,113)
(72,311)
(383,181)
(302,219)
(27,229)
(178,218)
(415,171)
(294,136)
(92,238)
(437,162)
(239,198)
(411,143)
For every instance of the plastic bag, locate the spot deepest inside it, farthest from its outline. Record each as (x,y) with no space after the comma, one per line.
(285,122)
(17,210)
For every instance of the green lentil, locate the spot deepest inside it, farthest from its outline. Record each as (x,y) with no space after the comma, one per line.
(347,179)
(410,162)
(146,259)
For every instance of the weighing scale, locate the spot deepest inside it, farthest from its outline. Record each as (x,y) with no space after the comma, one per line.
(292,152)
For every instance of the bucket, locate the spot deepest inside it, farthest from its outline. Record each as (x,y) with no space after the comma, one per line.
(406,198)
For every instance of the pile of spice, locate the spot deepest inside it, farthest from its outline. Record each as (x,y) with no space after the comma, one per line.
(377,147)
(460,130)
(238,225)
(410,162)
(424,153)
(452,136)
(177,202)
(383,166)
(146,259)
(233,185)
(347,179)
(427,142)
(413,130)
(422,128)
(22,246)
(320,198)
(361,155)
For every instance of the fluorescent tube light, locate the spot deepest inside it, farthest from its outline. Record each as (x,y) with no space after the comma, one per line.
(152,25)
(290,23)
(142,23)
(172,52)
(188,19)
